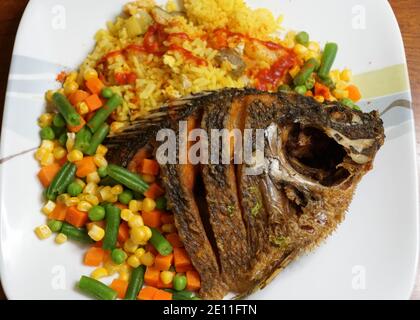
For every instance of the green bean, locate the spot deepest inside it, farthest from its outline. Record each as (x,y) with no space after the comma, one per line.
(83,138)
(112,225)
(136,282)
(61,181)
(59,121)
(350,104)
(96,289)
(47,133)
(302,38)
(182,295)
(306,71)
(127,178)
(77,234)
(160,243)
(66,109)
(328,57)
(103,113)
(97,139)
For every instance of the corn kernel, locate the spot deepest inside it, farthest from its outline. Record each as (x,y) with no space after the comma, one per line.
(294,71)
(90,73)
(72,76)
(71,137)
(84,206)
(99,273)
(135,205)
(118,189)
(48,207)
(139,252)
(80,182)
(314,46)
(147,259)
(130,246)
(168,228)
(63,198)
(111,267)
(92,199)
(126,214)
(148,178)
(320,99)
(117,126)
(113,198)
(341,85)
(72,201)
(96,233)
(335,75)
(300,49)
(47,159)
(312,55)
(91,188)
(100,161)
(70,87)
(105,193)
(124,275)
(82,108)
(148,205)
(75,155)
(137,235)
(41,153)
(93,177)
(133,261)
(59,153)
(45,120)
(346,75)
(47,145)
(135,221)
(60,238)
(43,232)
(48,95)
(102,150)
(166,277)
(340,94)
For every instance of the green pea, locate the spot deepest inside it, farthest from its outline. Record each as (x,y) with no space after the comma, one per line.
(74,189)
(107,93)
(125,197)
(284,88)
(62,139)
(102,172)
(300,89)
(302,38)
(180,282)
(96,213)
(118,256)
(161,203)
(47,133)
(55,225)
(59,121)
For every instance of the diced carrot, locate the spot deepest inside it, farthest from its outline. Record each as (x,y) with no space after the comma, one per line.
(354,93)
(147,293)
(76,218)
(94,257)
(193,281)
(150,167)
(123,232)
(62,161)
(174,240)
(152,218)
(47,174)
(95,85)
(150,248)
(59,212)
(120,206)
(151,276)
(61,77)
(77,97)
(309,93)
(120,286)
(321,90)
(163,263)
(77,128)
(99,245)
(184,269)
(85,166)
(166,218)
(154,191)
(162,295)
(161,285)
(181,258)
(93,102)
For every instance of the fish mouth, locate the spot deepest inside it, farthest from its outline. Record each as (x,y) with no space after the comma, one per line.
(312,153)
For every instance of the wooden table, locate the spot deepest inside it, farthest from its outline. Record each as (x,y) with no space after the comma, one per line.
(407,11)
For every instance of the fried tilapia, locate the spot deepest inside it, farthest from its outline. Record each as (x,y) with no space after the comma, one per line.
(244,228)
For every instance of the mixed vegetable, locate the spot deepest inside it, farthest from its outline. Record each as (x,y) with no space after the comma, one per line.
(120,215)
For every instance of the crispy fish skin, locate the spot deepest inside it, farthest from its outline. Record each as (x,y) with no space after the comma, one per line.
(315,155)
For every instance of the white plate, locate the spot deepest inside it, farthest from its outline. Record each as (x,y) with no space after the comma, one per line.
(372,255)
